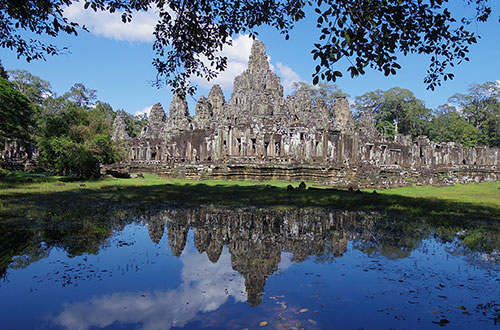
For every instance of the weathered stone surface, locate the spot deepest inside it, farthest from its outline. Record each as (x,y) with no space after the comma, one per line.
(258,57)
(259,135)
(204,113)
(257,92)
(218,103)
(301,111)
(302,107)
(343,115)
(179,117)
(155,127)
(367,125)
(119,129)
(157,114)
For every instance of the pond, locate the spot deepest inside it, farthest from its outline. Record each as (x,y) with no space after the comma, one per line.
(235,268)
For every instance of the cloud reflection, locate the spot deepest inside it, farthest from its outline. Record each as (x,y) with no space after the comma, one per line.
(205,287)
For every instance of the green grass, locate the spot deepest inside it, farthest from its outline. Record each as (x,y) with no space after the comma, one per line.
(486,194)
(22,192)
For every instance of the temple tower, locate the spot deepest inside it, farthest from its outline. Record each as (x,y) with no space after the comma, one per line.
(155,127)
(257,92)
(179,117)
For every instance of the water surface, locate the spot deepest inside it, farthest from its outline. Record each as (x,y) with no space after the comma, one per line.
(218,268)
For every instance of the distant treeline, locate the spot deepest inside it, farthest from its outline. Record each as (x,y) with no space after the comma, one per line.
(72,132)
(470,119)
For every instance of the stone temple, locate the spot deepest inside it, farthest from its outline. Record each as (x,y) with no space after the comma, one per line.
(259,135)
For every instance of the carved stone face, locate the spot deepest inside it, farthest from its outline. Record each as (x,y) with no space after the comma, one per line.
(265,109)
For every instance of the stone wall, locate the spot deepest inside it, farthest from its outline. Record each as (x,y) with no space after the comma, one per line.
(259,135)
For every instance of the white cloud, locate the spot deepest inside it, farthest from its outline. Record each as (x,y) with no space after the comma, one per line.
(111,26)
(237,61)
(146,111)
(288,77)
(285,261)
(205,287)
(271,66)
(240,50)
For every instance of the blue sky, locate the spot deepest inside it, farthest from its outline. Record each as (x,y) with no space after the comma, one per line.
(115,59)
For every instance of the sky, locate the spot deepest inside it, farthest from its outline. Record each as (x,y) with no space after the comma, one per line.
(116,60)
(148,309)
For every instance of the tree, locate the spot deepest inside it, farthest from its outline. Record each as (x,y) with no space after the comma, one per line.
(3,73)
(481,108)
(75,139)
(81,95)
(451,127)
(33,87)
(106,110)
(399,107)
(189,32)
(322,91)
(17,114)
(387,129)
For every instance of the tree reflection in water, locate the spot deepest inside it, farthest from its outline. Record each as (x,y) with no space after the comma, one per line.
(244,247)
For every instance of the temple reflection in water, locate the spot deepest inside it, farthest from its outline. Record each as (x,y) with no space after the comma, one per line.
(219,257)
(256,237)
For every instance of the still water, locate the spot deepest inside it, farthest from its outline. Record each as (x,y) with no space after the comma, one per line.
(272,268)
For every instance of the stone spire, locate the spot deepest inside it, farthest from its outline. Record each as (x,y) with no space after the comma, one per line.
(157,114)
(321,114)
(177,236)
(256,261)
(257,92)
(258,57)
(342,114)
(154,129)
(204,112)
(303,102)
(218,102)
(119,129)
(179,113)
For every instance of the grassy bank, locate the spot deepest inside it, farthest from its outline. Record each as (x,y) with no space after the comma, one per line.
(80,215)
(22,193)
(486,194)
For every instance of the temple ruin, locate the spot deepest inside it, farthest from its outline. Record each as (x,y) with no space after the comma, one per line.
(259,135)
